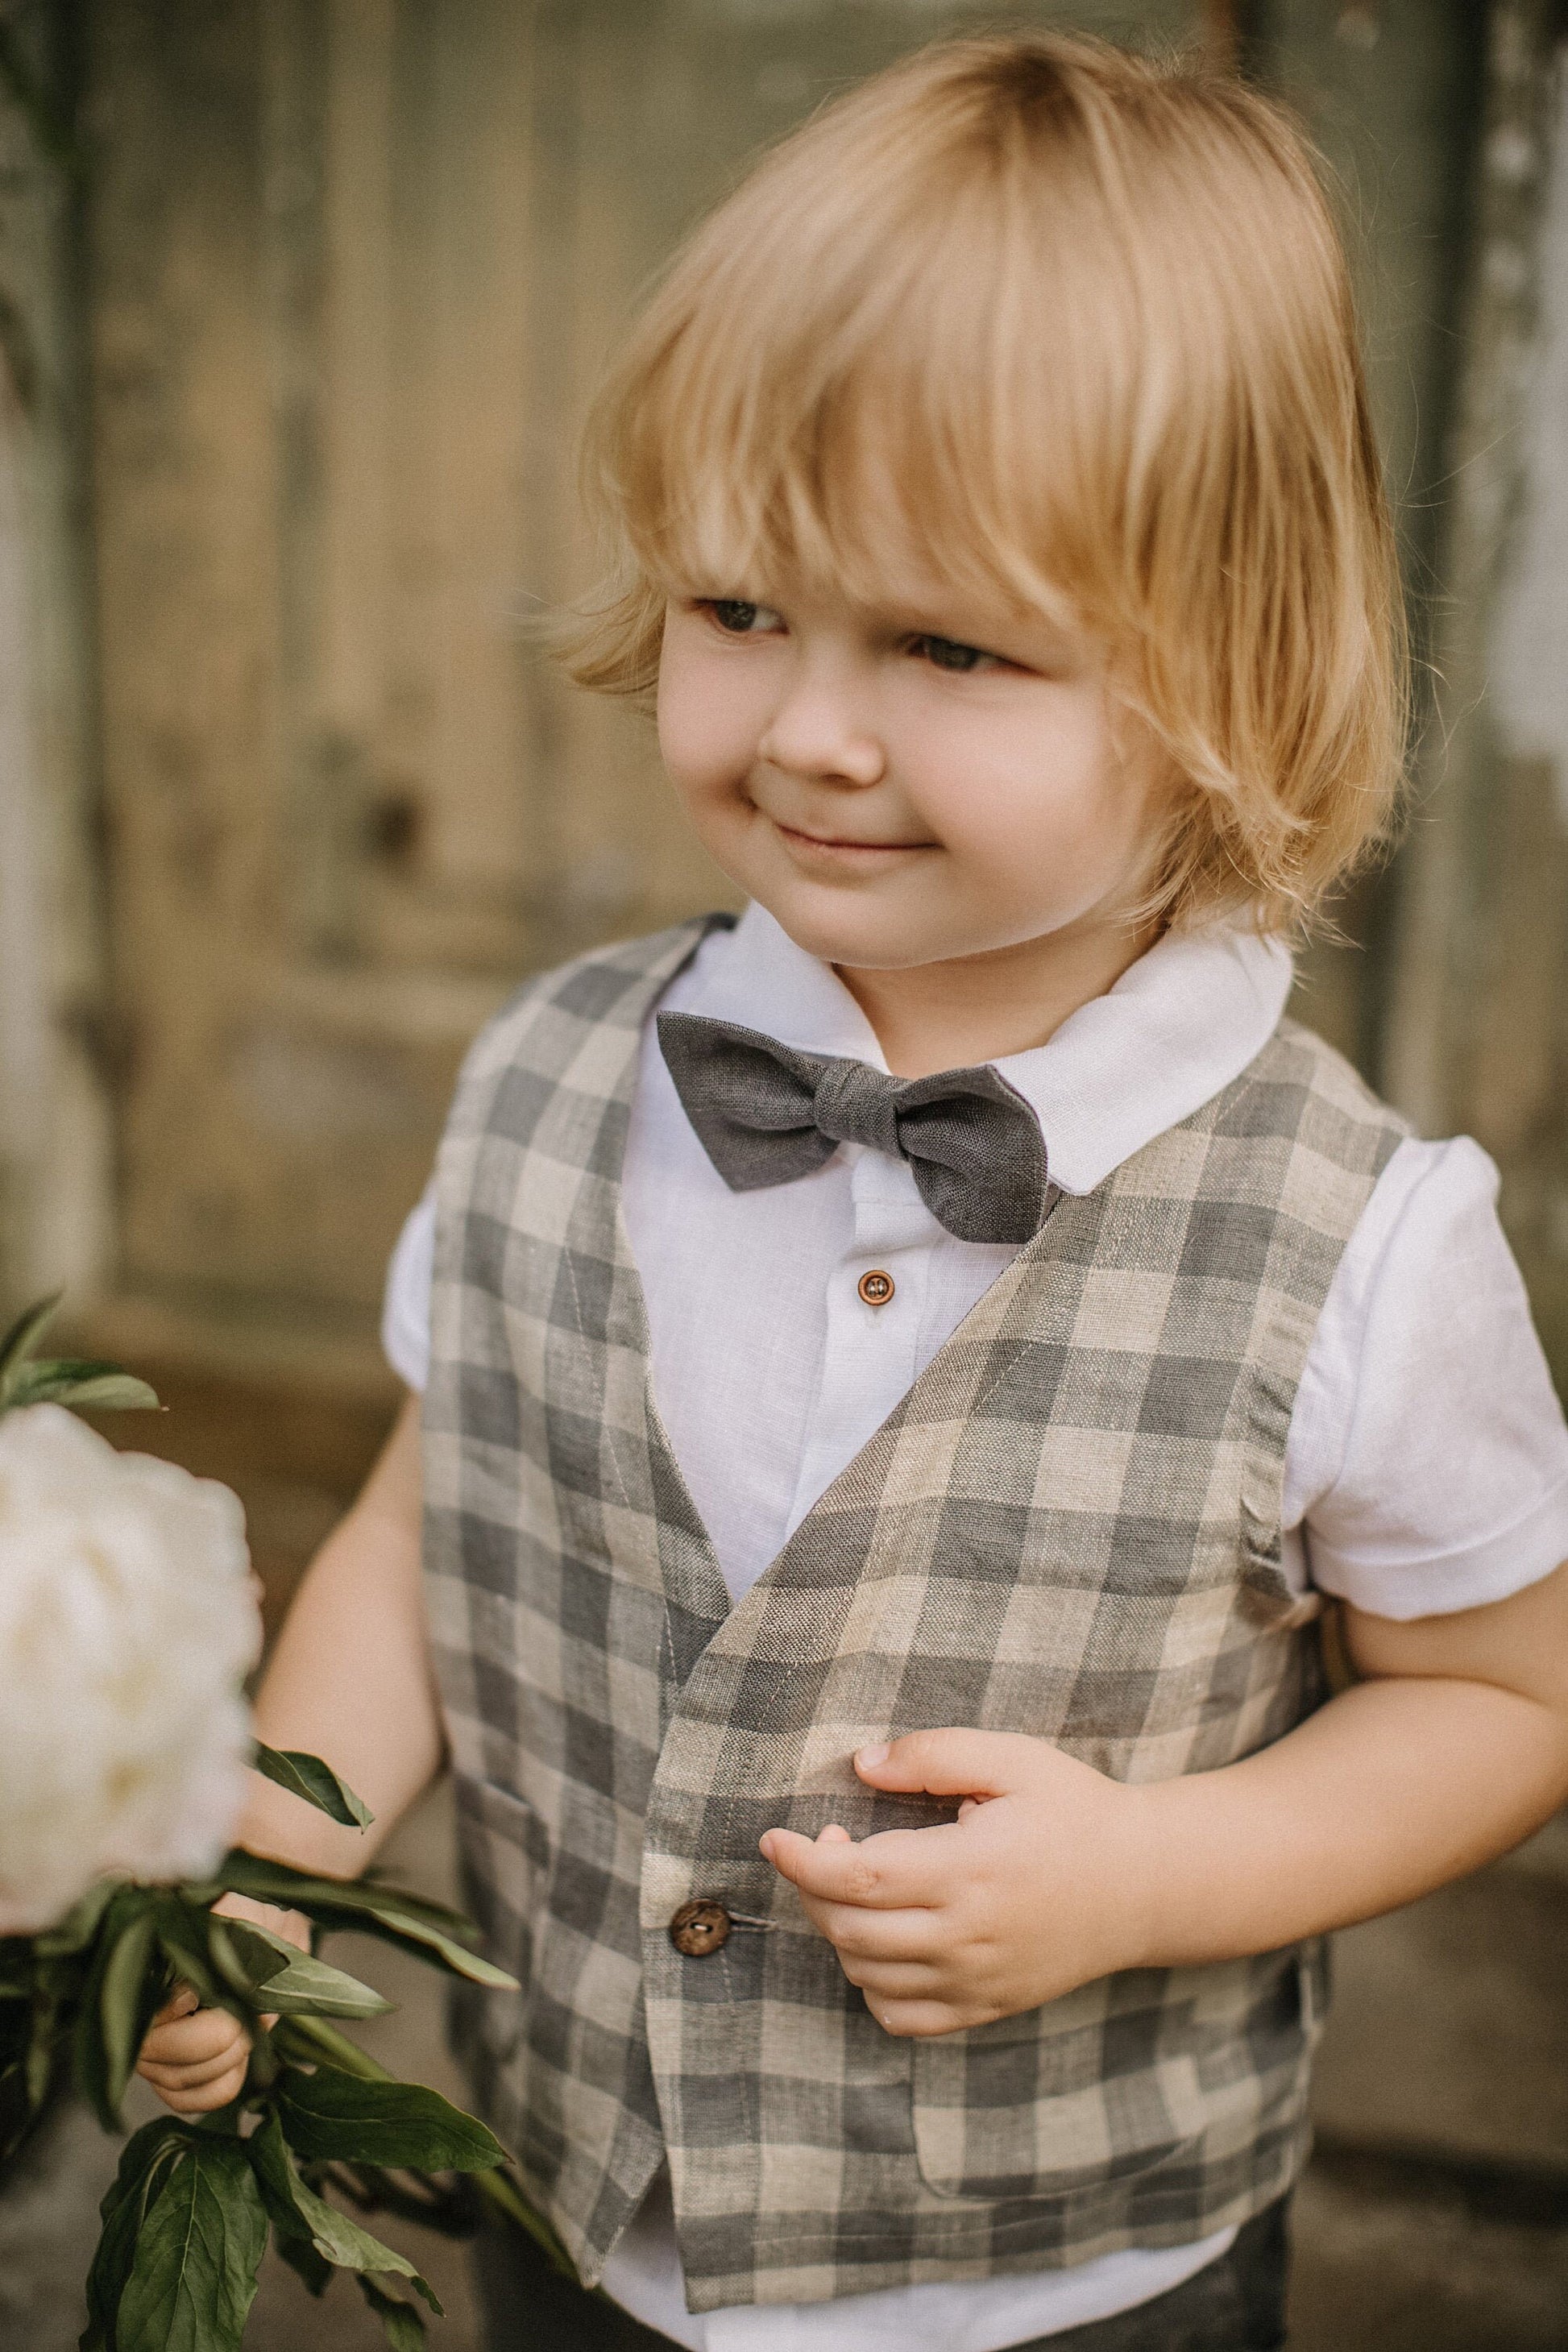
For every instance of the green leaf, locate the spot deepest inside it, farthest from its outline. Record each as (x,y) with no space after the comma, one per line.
(144,2156)
(130,1994)
(107,2274)
(61,1380)
(247,1957)
(89,1388)
(124,1987)
(193,2277)
(89,2062)
(306,1777)
(296,1985)
(391,2124)
(22,1337)
(17,1955)
(304,2261)
(426,1929)
(80,1924)
(405,2327)
(44,2042)
(145,2150)
(184,1932)
(425,1943)
(297,1889)
(310,2040)
(298,2211)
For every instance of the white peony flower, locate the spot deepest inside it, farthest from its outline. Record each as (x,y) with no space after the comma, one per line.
(128,1620)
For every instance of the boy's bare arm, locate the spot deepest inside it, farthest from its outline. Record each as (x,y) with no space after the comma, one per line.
(1453,1747)
(350,1678)
(349,1681)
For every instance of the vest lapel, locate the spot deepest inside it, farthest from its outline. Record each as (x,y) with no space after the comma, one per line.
(668,1547)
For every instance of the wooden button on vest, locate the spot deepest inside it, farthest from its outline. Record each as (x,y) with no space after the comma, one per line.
(875,1286)
(699,1927)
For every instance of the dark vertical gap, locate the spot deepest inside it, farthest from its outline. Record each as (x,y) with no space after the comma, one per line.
(1376,908)
(556,148)
(1224,31)
(63,35)
(1251,39)
(1368,915)
(321,799)
(65,50)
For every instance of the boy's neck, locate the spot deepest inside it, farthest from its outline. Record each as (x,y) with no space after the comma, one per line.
(981,1008)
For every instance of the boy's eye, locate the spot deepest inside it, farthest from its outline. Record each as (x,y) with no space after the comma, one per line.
(946,653)
(740,618)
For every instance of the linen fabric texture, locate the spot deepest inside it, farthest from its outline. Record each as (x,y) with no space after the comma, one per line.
(1069,1527)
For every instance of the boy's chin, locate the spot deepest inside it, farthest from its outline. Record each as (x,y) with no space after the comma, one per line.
(863,938)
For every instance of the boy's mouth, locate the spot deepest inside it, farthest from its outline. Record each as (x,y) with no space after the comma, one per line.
(831,849)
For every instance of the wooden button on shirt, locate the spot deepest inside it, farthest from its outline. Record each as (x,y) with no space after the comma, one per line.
(699,1927)
(875,1286)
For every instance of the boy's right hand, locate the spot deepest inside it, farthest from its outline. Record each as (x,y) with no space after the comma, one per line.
(196,2058)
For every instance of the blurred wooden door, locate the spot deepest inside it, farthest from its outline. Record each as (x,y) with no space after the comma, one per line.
(353,266)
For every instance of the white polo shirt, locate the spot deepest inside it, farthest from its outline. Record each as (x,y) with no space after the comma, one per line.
(1426,1463)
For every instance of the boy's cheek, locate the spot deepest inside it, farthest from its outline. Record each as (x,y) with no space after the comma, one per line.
(709,723)
(709,776)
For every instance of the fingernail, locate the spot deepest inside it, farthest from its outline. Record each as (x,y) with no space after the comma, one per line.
(766,1844)
(873,1756)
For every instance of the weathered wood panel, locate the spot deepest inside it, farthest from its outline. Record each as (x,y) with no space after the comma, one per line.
(1479,1037)
(1389,91)
(55,1140)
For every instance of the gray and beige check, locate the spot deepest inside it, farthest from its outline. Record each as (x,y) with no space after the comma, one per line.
(1068,1527)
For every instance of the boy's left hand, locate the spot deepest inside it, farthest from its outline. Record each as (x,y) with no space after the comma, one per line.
(1041,1883)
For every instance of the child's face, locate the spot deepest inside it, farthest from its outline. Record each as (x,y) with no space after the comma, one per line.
(909,785)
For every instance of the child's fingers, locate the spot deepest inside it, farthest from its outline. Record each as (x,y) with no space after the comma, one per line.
(194,2039)
(898,1870)
(191,2074)
(956,1762)
(851,1928)
(918,2020)
(886,1980)
(860,1935)
(206,2098)
(197,2063)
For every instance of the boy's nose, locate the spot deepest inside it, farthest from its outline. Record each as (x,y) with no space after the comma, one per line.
(817,731)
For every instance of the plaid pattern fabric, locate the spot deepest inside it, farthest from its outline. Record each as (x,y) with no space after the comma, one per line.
(1068,1527)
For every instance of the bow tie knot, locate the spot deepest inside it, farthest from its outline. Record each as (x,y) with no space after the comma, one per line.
(765,1113)
(848,1111)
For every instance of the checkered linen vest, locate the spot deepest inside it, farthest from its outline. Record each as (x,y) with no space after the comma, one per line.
(1069,1527)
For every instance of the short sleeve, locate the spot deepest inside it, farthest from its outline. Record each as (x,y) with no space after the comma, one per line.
(405,1306)
(1428,1459)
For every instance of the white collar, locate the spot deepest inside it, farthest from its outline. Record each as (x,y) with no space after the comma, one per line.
(1179,1024)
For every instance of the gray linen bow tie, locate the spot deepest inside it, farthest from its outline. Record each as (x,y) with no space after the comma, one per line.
(765,1113)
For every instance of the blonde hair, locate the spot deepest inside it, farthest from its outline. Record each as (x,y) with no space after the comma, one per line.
(1074,329)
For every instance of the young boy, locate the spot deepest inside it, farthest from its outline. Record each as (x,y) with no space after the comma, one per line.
(905,1375)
